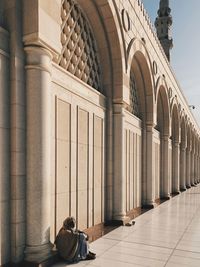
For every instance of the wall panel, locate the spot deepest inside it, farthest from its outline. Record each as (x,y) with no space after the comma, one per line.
(78,156)
(132,161)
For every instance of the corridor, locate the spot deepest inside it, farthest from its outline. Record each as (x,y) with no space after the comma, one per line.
(168,235)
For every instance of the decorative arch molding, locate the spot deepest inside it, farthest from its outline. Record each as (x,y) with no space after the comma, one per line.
(183,127)
(139,64)
(79,54)
(189,132)
(161,82)
(105,27)
(112,24)
(174,101)
(175,120)
(138,45)
(163,101)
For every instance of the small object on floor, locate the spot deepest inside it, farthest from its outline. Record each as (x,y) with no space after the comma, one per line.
(128,224)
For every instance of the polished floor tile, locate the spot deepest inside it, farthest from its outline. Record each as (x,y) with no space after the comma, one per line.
(167,236)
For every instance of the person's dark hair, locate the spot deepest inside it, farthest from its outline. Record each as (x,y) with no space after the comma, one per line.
(69,223)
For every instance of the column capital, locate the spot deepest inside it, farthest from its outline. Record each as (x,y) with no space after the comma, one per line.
(176,143)
(118,109)
(183,148)
(165,137)
(149,126)
(38,57)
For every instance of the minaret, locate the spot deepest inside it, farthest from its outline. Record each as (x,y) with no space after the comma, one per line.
(163,24)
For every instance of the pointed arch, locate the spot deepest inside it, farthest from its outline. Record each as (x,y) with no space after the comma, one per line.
(175,123)
(108,40)
(140,66)
(175,158)
(163,109)
(183,144)
(183,129)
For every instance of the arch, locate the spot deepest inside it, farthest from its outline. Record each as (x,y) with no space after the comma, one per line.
(140,65)
(175,137)
(175,123)
(79,54)
(163,126)
(183,144)
(188,153)
(140,69)
(109,41)
(163,109)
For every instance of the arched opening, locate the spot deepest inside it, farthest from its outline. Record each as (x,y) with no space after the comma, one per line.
(83,116)
(195,159)
(175,131)
(163,128)
(79,54)
(142,107)
(192,158)
(183,144)
(188,156)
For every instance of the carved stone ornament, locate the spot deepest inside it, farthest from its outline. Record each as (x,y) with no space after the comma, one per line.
(155,68)
(170,92)
(126,20)
(79,53)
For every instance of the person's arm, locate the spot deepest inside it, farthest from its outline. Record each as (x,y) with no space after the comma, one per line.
(85,235)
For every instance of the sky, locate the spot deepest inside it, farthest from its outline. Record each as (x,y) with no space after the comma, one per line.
(185,54)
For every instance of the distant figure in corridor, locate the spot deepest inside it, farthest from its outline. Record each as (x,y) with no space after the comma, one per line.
(72,244)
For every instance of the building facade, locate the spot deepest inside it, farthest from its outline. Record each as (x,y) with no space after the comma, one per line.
(93,122)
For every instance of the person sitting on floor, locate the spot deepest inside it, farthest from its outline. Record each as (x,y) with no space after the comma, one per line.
(72,244)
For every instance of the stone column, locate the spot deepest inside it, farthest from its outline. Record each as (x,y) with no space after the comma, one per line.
(176,168)
(183,168)
(196,169)
(38,94)
(192,157)
(165,166)
(150,179)
(119,182)
(5,149)
(188,181)
(194,175)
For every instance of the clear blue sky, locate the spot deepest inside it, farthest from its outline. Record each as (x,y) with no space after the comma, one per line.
(185,55)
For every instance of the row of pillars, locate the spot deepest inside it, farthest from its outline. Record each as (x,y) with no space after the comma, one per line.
(180,167)
(38,162)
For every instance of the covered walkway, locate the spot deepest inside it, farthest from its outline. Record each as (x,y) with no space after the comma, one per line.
(168,235)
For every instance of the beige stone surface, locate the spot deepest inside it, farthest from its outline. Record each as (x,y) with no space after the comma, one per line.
(68,149)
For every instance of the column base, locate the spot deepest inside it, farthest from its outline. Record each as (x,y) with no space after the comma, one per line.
(38,254)
(193,184)
(150,205)
(119,220)
(166,197)
(183,189)
(46,263)
(176,193)
(188,186)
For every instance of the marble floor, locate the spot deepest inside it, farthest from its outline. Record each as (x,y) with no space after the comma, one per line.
(168,235)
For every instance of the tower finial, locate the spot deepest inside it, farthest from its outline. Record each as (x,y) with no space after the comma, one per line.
(163,24)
